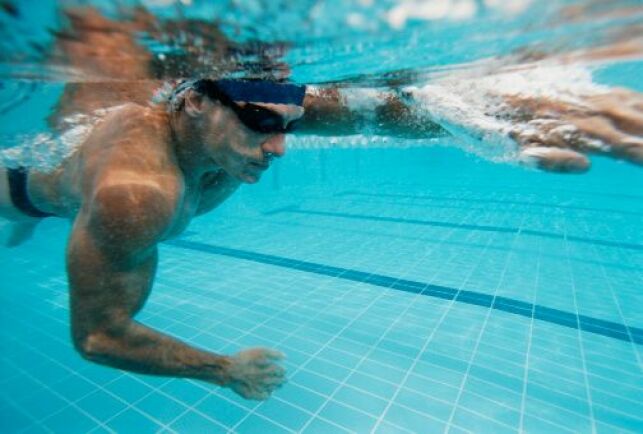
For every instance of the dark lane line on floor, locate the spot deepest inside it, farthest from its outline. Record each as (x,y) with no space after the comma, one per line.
(505,304)
(483,228)
(498,201)
(505,188)
(468,245)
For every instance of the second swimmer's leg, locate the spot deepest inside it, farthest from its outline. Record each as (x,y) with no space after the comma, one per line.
(13,234)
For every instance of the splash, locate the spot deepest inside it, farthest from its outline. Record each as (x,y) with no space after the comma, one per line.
(47,150)
(470,104)
(475,108)
(455,10)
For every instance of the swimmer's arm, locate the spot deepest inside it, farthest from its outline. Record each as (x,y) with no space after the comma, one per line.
(341,111)
(111,263)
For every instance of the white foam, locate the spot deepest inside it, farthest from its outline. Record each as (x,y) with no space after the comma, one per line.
(46,150)
(365,141)
(363,101)
(473,108)
(455,10)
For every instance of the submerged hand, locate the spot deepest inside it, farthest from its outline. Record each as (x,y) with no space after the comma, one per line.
(560,134)
(255,374)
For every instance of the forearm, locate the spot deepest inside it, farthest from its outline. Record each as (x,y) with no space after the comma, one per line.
(110,279)
(346,111)
(137,348)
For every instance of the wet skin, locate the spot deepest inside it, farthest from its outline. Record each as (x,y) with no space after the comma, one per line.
(137,192)
(143,174)
(139,179)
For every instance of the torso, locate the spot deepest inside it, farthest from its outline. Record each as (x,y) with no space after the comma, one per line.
(130,146)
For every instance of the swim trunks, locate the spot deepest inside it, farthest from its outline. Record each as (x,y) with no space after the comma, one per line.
(19,196)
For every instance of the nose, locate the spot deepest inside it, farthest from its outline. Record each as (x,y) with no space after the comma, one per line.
(275,145)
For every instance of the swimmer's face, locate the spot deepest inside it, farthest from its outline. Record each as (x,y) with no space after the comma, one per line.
(242,152)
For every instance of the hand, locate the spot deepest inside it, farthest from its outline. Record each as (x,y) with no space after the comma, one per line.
(255,374)
(559,134)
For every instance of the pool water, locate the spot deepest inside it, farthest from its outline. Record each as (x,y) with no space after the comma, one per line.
(413,288)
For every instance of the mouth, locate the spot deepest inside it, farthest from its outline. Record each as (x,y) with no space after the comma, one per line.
(259,166)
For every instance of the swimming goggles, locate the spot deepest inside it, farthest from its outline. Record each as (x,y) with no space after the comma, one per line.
(244,97)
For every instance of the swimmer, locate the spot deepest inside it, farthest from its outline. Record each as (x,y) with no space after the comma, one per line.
(146,170)
(546,132)
(139,178)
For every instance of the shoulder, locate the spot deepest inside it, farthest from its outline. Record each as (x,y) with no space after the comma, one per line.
(136,196)
(135,116)
(132,185)
(132,214)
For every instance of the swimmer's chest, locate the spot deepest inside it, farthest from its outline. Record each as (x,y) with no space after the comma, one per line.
(186,210)
(211,191)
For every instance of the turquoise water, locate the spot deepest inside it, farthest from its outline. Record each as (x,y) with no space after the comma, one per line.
(413,289)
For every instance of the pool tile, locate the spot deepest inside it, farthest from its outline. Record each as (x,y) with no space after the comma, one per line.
(43,404)
(320,426)
(70,420)
(284,414)
(347,417)
(361,400)
(74,387)
(413,421)
(328,369)
(424,404)
(259,425)
(222,410)
(186,392)
(128,388)
(13,420)
(371,385)
(161,407)
(192,422)
(301,397)
(130,420)
(481,422)
(315,382)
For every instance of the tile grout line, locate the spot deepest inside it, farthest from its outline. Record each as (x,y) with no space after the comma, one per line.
(521,423)
(447,309)
(478,340)
(588,392)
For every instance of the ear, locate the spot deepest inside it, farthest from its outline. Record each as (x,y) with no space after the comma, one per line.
(194,103)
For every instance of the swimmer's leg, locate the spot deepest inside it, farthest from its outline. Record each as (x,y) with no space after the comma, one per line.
(13,234)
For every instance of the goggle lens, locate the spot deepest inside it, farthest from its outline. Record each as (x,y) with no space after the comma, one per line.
(261,119)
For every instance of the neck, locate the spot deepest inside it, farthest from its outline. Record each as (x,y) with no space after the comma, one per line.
(187,147)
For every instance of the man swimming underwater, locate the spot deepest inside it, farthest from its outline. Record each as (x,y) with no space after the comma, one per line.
(145,171)
(139,179)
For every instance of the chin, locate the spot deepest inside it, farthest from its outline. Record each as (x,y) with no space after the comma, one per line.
(249,179)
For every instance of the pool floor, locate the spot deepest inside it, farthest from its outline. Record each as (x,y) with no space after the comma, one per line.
(448,305)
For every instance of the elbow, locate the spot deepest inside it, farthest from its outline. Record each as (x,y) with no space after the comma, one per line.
(98,340)
(95,346)
(100,344)
(88,346)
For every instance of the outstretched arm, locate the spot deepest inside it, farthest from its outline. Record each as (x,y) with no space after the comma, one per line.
(344,111)
(111,262)
(551,134)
